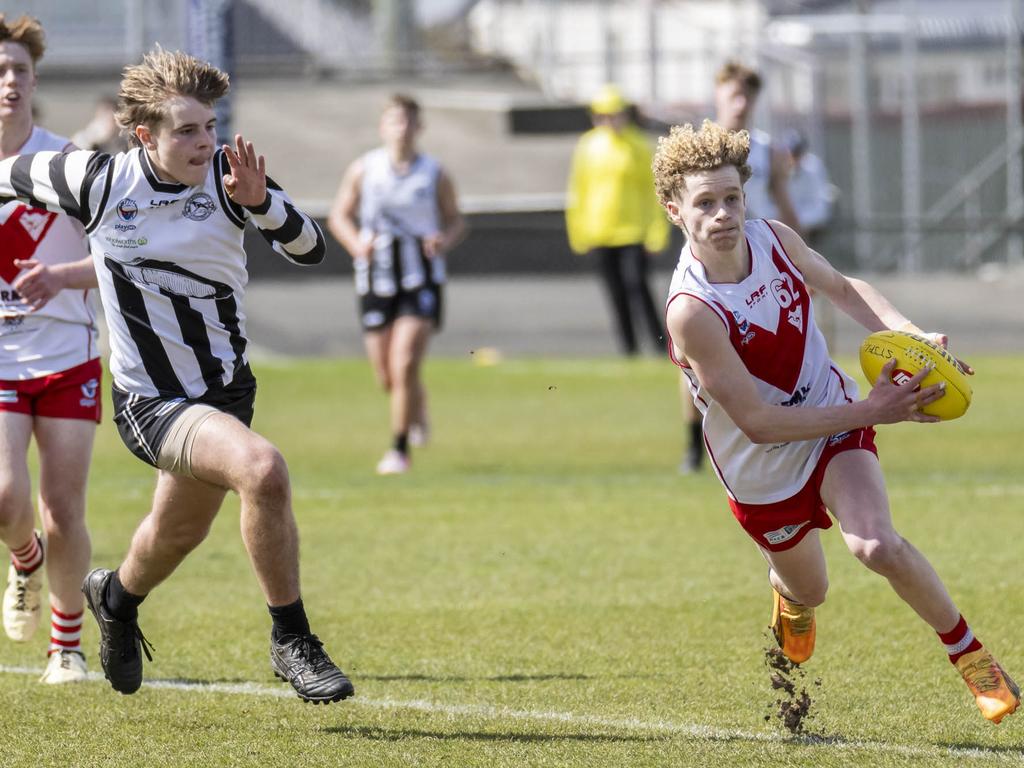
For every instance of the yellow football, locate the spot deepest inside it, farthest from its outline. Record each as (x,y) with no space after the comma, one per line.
(912,353)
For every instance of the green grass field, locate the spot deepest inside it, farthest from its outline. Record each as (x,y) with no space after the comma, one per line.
(543,589)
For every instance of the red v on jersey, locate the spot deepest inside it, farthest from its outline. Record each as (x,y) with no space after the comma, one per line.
(21,235)
(776,357)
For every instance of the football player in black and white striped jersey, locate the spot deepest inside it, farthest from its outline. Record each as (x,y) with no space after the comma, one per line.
(165,223)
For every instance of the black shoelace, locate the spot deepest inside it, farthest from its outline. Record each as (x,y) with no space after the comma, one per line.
(131,628)
(310,648)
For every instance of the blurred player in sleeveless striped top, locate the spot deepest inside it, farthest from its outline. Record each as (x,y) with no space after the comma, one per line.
(397,215)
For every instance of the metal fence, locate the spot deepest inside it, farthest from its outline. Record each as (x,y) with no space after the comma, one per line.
(917,113)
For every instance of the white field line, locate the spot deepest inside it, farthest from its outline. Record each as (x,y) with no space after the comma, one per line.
(654,727)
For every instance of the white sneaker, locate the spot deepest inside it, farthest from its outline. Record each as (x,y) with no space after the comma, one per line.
(21,603)
(65,667)
(419,435)
(393,463)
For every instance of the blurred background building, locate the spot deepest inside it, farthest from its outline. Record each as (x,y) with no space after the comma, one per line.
(915,105)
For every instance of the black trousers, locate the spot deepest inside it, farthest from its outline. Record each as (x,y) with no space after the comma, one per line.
(624,268)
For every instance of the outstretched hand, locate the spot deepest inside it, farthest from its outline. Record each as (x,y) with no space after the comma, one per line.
(37,283)
(247,182)
(903,402)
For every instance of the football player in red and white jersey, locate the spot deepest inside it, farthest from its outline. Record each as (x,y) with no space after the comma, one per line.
(785,430)
(49,380)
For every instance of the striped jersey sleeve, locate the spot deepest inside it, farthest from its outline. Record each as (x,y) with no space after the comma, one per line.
(290,232)
(76,183)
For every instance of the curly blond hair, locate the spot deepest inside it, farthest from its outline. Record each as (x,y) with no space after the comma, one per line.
(162,75)
(25,30)
(685,151)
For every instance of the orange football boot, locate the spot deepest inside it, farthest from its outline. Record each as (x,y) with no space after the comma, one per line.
(793,627)
(994,691)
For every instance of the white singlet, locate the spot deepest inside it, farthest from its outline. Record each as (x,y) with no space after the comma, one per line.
(398,211)
(770,321)
(63,334)
(756,192)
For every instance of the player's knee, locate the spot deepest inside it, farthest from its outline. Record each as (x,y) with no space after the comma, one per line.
(63,517)
(268,475)
(882,553)
(404,370)
(811,595)
(62,512)
(15,499)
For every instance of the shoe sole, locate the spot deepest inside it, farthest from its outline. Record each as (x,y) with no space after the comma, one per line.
(341,695)
(1007,713)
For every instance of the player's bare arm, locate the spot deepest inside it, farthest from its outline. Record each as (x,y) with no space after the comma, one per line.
(247,182)
(342,219)
(701,339)
(453,225)
(857,298)
(38,282)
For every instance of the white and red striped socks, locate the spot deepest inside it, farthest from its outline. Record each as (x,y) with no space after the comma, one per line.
(65,631)
(29,557)
(959,640)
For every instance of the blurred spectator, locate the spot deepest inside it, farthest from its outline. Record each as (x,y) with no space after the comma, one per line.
(812,194)
(613,215)
(767,194)
(102,132)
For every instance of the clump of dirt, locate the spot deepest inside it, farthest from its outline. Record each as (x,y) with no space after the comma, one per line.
(794,705)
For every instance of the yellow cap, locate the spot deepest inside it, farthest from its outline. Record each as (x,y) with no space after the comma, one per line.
(608,101)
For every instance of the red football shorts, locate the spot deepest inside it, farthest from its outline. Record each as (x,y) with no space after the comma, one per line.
(781,525)
(70,394)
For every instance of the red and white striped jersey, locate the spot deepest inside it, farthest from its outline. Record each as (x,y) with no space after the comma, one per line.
(63,334)
(770,322)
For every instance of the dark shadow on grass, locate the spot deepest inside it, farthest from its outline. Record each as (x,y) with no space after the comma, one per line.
(400,734)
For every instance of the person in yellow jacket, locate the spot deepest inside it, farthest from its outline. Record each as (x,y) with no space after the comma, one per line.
(613,216)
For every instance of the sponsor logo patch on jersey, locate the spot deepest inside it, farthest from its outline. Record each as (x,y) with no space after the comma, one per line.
(757,295)
(785,533)
(127,209)
(199,207)
(799,396)
(127,242)
(741,322)
(838,438)
(743,325)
